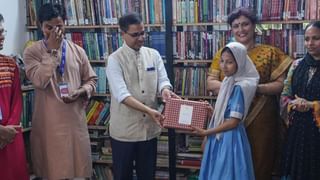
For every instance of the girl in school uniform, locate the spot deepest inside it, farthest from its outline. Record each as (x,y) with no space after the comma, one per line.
(227,153)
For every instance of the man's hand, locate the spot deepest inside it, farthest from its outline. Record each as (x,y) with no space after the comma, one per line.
(7,135)
(74,95)
(156,116)
(55,38)
(167,94)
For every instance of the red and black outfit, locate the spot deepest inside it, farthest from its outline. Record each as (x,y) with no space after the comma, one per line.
(13,164)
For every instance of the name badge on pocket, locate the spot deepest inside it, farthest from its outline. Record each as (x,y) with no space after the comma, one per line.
(64,91)
(150,69)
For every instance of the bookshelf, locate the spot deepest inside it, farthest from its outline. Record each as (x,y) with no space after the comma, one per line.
(26,119)
(27,103)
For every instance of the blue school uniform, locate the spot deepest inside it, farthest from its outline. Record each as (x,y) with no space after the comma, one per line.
(229,158)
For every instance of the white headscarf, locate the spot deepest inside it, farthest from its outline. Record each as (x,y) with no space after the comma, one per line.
(246,77)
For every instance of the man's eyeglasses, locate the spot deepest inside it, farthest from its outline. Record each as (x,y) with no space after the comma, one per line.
(137,34)
(3,32)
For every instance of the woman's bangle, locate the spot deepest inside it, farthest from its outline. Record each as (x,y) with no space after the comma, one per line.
(309,105)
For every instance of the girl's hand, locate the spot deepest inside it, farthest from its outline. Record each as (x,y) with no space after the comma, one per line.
(203,144)
(199,131)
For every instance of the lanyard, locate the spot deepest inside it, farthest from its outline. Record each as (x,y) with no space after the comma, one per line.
(63,59)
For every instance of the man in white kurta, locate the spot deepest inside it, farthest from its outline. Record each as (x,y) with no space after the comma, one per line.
(136,76)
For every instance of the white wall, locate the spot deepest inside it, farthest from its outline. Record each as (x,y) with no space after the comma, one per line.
(14,13)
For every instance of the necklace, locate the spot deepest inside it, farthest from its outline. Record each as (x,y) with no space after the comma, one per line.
(311,72)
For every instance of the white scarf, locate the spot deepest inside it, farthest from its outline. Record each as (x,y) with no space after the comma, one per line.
(246,77)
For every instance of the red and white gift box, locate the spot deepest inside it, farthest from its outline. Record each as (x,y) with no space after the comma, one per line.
(182,114)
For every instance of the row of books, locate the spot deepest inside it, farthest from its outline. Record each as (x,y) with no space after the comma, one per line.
(196,11)
(100,145)
(98,45)
(200,45)
(190,81)
(197,44)
(96,12)
(101,172)
(102,83)
(289,38)
(98,112)
(28,101)
(99,12)
(189,150)
(191,44)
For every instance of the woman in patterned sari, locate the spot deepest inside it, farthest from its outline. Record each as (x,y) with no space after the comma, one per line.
(301,99)
(262,123)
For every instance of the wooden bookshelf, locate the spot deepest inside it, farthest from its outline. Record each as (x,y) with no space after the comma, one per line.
(109,162)
(200,97)
(187,167)
(102,161)
(27,88)
(201,61)
(225,23)
(106,26)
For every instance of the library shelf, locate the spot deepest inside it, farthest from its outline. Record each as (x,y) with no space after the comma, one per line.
(187,167)
(202,61)
(106,26)
(100,161)
(200,97)
(109,162)
(26,129)
(27,88)
(261,22)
